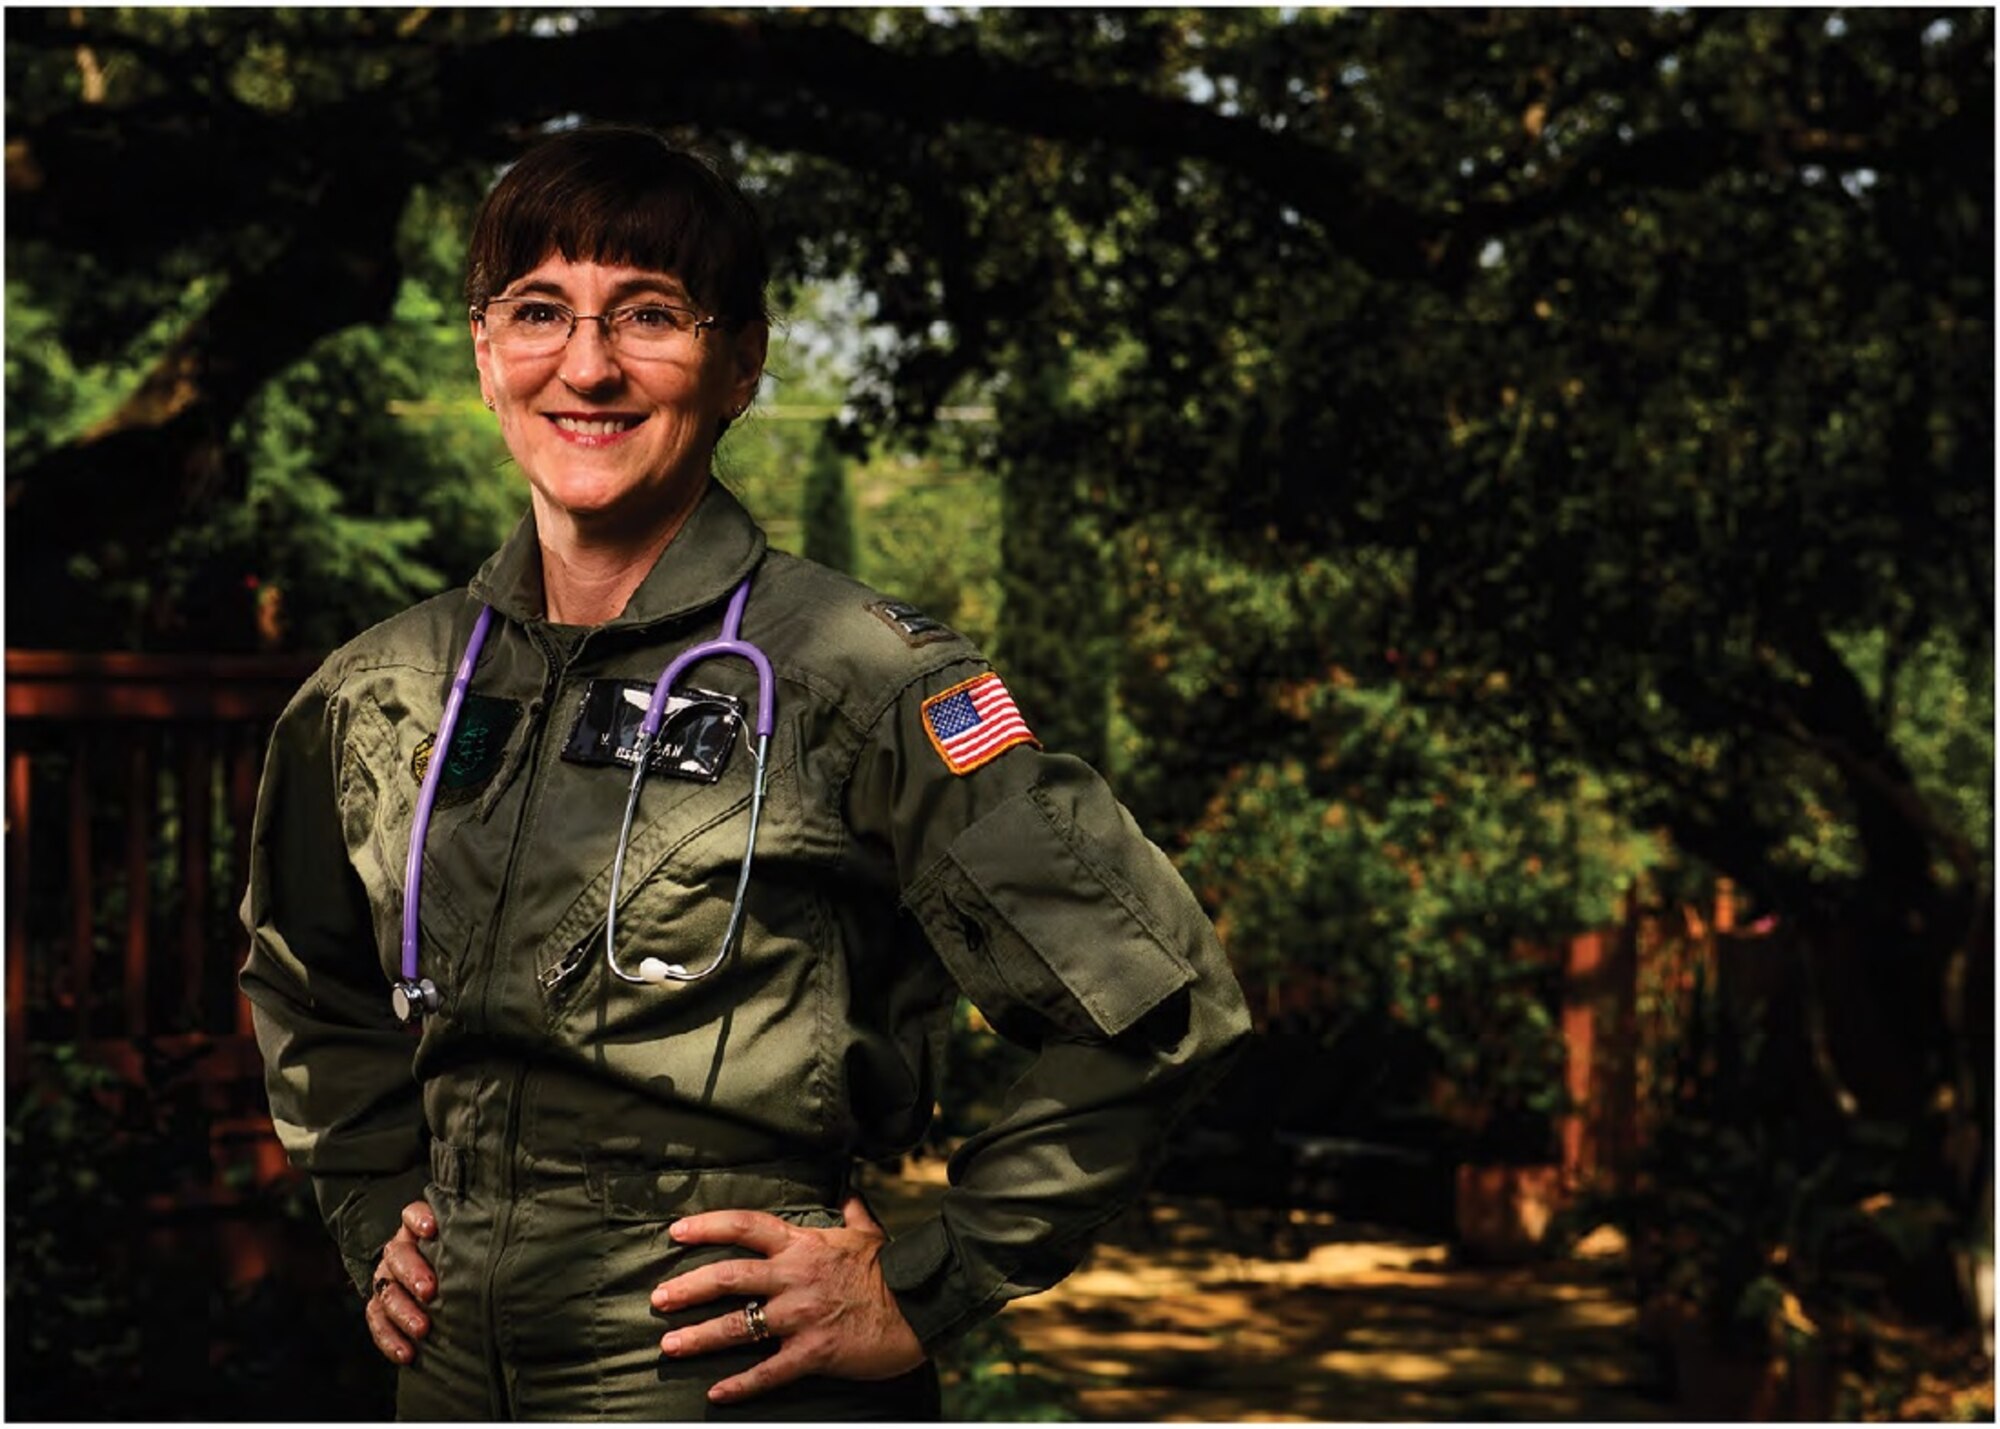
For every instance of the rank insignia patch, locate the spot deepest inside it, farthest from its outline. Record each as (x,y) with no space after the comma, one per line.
(973,723)
(912,624)
(484,723)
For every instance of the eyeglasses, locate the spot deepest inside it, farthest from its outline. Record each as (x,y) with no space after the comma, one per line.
(540,327)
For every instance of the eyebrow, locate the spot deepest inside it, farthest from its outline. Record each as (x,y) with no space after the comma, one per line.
(629,287)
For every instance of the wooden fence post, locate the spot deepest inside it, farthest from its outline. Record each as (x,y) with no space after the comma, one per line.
(1582,968)
(138,887)
(19,786)
(1621,1100)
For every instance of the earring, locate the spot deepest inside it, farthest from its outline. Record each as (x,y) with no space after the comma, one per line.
(489,403)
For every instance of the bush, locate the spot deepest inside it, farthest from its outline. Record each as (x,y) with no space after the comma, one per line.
(989,1376)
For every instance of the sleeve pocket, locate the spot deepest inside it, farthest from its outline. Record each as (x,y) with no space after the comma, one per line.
(1028,909)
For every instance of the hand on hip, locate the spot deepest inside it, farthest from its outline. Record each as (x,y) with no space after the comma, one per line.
(820,1292)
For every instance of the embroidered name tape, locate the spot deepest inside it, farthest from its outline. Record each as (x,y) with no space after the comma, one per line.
(697,729)
(974,722)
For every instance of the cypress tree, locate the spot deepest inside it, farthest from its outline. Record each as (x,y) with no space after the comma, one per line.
(829,509)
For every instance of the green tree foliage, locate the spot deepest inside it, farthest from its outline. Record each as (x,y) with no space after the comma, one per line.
(366,471)
(829,510)
(1398,855)
(1056,630)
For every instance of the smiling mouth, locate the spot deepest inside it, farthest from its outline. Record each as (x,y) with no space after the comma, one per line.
(595,426)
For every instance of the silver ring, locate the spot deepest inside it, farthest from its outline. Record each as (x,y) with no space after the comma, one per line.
(382,1282)
(754,1323)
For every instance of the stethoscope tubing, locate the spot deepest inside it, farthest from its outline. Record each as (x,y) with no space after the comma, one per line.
(655,970)
(651,970)
(420,826)
(729,643)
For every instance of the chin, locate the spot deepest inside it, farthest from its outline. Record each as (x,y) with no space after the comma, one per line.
(583,501)
(595,501)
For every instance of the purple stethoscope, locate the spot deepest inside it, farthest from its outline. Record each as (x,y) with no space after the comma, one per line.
(414,997)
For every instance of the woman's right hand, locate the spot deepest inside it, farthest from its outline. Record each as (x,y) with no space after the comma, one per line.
(404,1282)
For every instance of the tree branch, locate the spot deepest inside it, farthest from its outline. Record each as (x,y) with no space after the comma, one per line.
(324,185)
(161,452)
(764,76)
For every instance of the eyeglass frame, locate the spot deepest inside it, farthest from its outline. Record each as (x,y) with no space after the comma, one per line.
(701,321)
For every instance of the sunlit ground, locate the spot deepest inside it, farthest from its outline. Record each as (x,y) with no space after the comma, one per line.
(1194,1313)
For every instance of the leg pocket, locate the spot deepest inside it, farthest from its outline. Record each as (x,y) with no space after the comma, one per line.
(638,1381)
(635,1379)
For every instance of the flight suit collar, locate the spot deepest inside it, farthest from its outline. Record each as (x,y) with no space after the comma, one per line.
(714,550)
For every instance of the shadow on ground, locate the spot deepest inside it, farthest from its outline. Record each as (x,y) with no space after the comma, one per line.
(1190,1313)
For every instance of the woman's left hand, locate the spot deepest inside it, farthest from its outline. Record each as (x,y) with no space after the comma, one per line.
(823,1296)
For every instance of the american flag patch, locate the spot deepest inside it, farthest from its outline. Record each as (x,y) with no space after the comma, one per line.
(974,722)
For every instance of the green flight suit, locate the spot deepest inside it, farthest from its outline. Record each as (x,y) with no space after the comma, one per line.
(559,1118)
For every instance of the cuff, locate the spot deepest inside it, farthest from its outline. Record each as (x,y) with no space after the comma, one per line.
(933,1286)
(366,1212)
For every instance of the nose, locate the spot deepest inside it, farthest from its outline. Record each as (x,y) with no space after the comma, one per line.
(588,361)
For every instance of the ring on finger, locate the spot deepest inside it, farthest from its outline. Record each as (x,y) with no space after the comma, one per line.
(754,1323)
(382,1283)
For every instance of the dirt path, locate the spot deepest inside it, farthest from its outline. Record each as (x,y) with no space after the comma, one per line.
(1189,1314)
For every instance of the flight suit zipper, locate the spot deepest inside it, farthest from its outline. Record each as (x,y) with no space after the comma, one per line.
(508,1150)
(553,977)
(532,756)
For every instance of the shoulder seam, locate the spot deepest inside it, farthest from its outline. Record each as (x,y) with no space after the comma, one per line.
(870,713)
(882,708)
(353,658)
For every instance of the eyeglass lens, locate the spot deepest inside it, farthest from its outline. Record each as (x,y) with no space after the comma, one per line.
(537,327)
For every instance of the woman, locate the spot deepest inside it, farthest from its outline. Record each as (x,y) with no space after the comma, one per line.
(608,1178)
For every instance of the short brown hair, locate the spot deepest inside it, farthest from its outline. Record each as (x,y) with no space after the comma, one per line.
(622,195)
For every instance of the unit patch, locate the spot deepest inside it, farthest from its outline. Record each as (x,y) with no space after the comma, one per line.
(974,722)
(484,724)
(912,624)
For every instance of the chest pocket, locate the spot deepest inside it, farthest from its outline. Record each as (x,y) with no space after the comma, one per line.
(378,796)
(681,867)
(1047,925)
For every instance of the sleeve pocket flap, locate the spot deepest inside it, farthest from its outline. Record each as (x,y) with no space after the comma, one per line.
(1059,893)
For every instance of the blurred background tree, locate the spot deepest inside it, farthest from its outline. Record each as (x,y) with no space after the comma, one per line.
(1448,467)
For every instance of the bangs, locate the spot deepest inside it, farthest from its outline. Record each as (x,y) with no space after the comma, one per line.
(646,230)
(621,196)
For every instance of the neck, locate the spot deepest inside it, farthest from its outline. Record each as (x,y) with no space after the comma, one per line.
(591,568)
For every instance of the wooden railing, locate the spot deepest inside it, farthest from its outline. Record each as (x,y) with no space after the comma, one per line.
(131,782)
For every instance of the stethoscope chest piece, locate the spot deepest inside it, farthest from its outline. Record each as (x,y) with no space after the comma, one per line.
(413,999)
